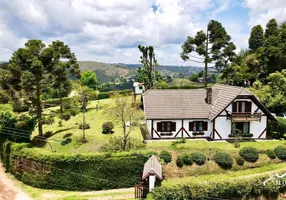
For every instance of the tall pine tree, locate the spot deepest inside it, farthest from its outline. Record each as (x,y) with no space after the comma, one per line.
(256,38)
(213,46)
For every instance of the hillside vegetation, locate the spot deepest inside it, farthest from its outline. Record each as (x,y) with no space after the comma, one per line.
(107,72)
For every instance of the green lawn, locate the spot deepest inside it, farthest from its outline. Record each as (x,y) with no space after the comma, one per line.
(181,82)
(203,145)
(70,129)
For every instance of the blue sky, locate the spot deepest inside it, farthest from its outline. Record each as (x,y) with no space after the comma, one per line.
(110,30)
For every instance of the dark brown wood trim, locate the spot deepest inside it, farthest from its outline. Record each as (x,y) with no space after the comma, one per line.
(218,134)
(178,132)
(152,128)
(213,132)
(266,125)
(197,119)
(157,133)
(182,128)
(262,133)
(186,132)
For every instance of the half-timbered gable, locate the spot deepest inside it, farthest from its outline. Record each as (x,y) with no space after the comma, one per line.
(204,113)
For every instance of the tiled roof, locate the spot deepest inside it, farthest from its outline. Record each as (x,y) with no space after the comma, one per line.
(189,103)
(152,167)
(176,104)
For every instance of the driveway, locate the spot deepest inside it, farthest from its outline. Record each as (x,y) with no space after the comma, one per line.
(8,190)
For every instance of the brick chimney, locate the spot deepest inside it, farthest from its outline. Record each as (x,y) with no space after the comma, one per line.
(208,95)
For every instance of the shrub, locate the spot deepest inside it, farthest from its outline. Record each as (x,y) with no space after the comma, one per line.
(249,187)
(250,154)
(65,116)
(3,98)
(107,128)
(270,154)
(223,159)
(103,95)
(180,161)
(187,159)
(280,152)
(198,158)
(48,120)
(48,134)
(66,141)
(84,126)
(166,156)
(68,171)
(240,161)
(17,128)
(60,122)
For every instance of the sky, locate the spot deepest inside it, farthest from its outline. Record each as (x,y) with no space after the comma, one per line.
(111,30)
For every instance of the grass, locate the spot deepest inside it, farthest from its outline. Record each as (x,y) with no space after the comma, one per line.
(70,129)
(203,145)
(270,168)
(181,82)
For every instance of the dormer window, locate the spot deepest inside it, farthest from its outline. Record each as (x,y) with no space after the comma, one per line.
(241,107)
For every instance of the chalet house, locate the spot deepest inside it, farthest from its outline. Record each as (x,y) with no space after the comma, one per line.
(219,112)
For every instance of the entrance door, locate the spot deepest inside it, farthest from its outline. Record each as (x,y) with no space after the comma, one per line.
(242,127)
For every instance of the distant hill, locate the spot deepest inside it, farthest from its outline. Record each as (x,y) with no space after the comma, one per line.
(173,70)
(107,72)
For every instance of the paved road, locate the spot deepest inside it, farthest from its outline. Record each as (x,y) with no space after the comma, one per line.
(8,190)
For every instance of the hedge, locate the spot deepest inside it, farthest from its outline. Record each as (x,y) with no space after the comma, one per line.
(49,170)
(220,188)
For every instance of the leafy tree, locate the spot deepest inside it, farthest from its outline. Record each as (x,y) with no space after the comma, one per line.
(16,128)
(148,74)
(88,78)
(194,78)
(213,46)
(122,112)
(271,28)
(61,81)
(31,70)
(273,94)
(256,38)
(85,94)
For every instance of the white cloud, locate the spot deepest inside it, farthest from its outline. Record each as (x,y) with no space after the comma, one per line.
(261,11)
(110,30)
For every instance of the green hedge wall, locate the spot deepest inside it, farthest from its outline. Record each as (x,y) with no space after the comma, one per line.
(98,171)
(240,188)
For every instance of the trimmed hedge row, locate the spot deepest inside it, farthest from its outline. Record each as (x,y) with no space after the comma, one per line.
(73,172)
(227,188)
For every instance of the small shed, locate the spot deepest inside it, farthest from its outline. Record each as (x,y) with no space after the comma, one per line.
(138,88)
(152,170)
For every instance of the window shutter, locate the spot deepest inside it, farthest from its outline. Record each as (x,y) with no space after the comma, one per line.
(248,107)
(173,126)
(234,107)
(191,126)
(159,126)
(205,126)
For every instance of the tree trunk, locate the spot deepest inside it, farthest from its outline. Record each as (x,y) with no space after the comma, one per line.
(83,126)
(61,101)
(39,110)
(206,61)
(124,143)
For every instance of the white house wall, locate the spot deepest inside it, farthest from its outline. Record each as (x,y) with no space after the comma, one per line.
(178,127)
(256,127)
(223,127)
